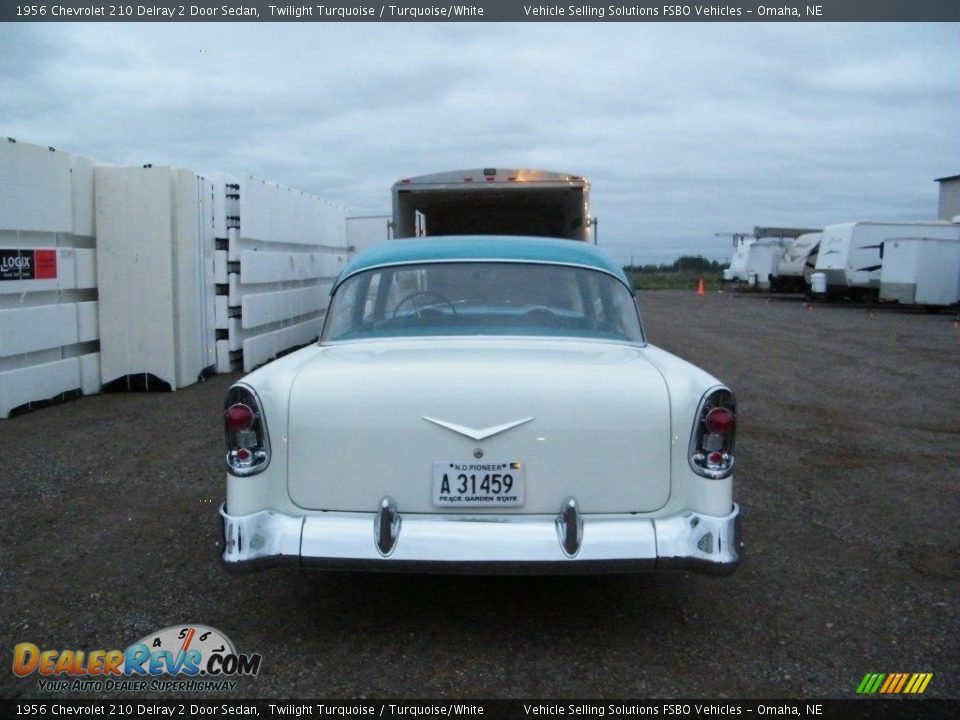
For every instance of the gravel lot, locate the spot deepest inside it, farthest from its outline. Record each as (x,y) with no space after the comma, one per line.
(847,472)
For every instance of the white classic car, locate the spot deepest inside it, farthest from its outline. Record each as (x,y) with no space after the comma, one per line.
(481,404)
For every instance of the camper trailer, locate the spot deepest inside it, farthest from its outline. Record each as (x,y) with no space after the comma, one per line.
(737,271)
(763,258)
(850,258)
(921,270)
(797,264)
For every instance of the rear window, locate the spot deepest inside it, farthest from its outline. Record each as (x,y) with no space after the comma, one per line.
(482,298)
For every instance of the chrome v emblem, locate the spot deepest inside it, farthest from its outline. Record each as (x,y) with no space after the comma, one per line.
(478,433)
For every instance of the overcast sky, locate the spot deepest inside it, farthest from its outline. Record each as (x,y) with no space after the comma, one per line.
(683,129)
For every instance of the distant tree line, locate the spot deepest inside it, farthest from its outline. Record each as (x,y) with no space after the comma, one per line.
(686,263)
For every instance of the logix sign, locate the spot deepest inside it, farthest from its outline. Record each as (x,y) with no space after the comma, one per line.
(18,264)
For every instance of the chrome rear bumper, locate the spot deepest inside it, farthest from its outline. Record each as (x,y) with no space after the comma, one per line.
(478,544)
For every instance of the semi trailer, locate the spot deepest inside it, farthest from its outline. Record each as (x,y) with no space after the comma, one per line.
(494,201)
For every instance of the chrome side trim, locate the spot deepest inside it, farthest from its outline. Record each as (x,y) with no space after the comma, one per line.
(570,527)
(478,544)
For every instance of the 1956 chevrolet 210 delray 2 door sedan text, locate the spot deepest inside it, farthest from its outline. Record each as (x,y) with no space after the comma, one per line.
(481,404)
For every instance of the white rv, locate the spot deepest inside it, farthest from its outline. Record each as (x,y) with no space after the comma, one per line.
(921,270)
(737,271)
(850,252)
(493,201)
(763,258)
(797,263)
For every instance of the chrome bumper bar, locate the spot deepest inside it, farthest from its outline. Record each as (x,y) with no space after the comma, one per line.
(568,542)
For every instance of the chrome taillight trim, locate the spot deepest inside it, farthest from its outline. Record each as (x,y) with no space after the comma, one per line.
(699,428)
(262,453)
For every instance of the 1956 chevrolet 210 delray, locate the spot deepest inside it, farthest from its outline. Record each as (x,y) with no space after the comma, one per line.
(481,404)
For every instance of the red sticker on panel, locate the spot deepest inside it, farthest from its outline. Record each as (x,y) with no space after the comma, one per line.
(46,264)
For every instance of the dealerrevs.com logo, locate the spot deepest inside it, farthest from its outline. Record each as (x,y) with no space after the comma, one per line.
(197,656)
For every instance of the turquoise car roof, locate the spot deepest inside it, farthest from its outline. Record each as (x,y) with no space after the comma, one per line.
(498,248)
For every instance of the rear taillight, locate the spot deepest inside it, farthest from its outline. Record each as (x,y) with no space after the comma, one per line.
(719,421)
(248,446)
(239,418)
(714,430)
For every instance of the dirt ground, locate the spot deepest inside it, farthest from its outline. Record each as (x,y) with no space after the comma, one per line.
(847,471)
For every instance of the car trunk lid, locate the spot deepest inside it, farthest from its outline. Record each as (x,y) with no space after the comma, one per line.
(588,419)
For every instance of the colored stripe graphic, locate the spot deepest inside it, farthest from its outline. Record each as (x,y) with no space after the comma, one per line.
(870,683)
(894,683)
(923,679)
(891,679)
(900,683)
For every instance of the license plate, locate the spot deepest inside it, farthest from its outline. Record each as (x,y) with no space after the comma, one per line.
(477,484)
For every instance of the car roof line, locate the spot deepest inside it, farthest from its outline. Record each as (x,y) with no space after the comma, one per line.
(513,261)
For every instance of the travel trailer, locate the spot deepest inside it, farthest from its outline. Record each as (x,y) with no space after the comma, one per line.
(921,270)
(850,257)
(797,264)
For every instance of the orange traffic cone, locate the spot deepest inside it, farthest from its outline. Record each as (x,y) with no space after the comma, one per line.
(700,290)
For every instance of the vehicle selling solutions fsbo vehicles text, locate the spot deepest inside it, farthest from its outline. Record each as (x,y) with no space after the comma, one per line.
(668,11)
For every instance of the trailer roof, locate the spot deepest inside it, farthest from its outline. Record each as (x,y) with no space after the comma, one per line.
(783,232)
(480,176)
(497,248)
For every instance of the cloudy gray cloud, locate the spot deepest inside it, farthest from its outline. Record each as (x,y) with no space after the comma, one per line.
(683,129)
